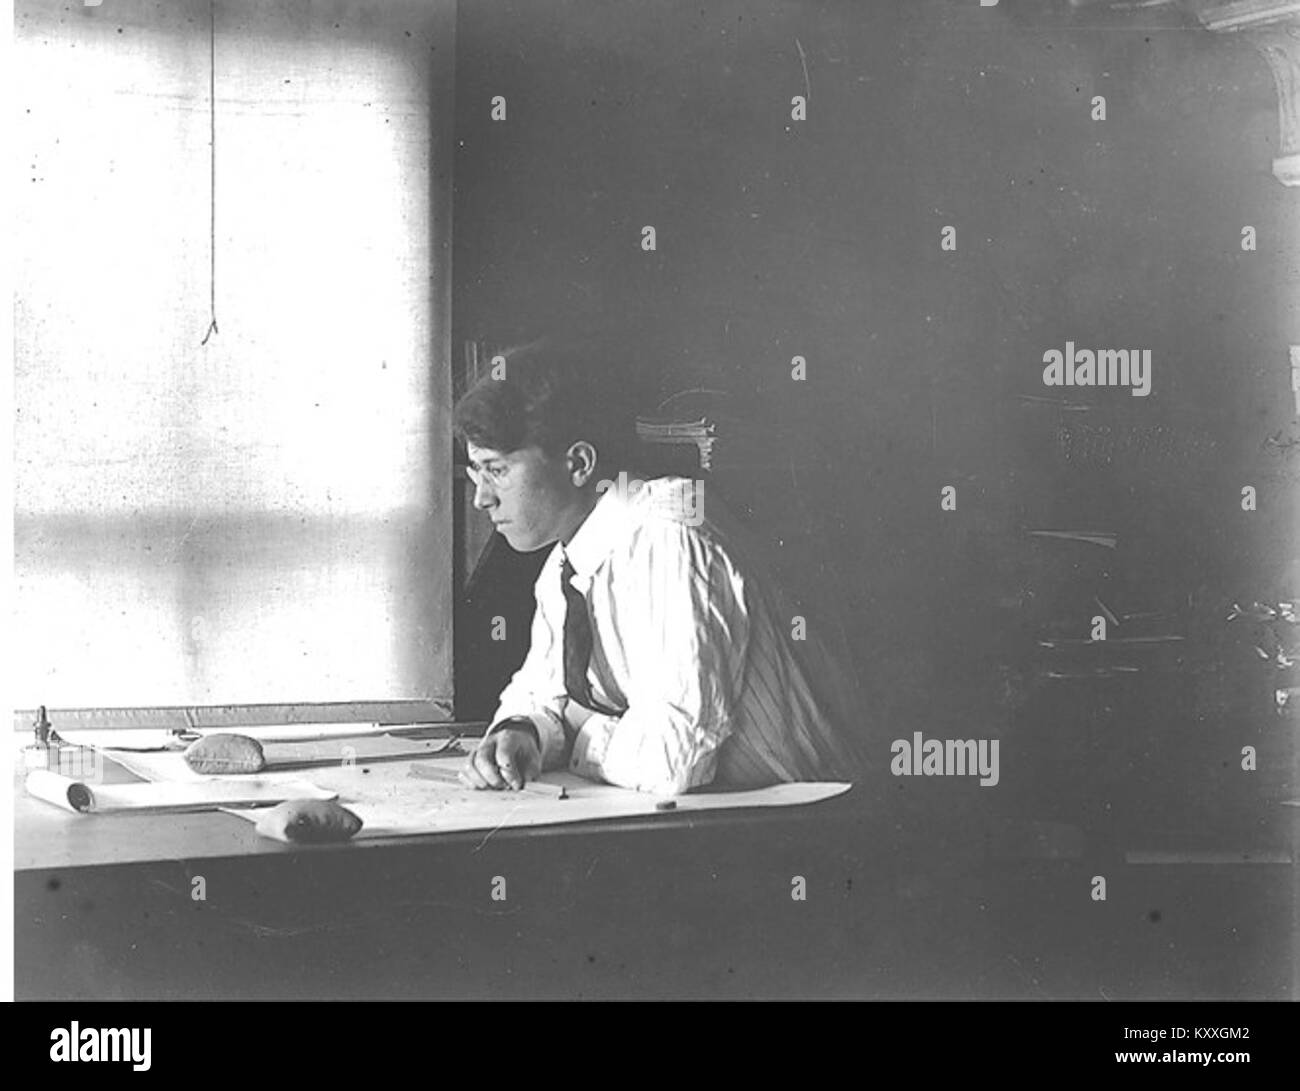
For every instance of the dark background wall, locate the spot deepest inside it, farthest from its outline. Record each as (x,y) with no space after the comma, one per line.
(822,238)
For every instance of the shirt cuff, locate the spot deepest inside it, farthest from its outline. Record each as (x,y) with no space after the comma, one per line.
(591,745)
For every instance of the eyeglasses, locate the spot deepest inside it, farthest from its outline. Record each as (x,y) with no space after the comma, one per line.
(496,474)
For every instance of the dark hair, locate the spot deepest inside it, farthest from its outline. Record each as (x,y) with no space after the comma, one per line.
(552,395)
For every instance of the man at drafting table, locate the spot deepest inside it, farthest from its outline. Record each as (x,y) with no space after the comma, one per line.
(659,657)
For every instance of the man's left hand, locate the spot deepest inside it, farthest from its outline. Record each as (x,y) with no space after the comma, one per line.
(507,758)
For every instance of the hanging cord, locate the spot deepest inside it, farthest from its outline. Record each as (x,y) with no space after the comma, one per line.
(212,145)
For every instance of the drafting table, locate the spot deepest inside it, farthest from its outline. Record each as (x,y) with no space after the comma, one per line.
(105,905)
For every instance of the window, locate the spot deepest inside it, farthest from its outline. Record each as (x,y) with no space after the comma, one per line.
(255,529)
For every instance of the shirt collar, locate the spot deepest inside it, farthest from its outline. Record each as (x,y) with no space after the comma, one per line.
(595,538)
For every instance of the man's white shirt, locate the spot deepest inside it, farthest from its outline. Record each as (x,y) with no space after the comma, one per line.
(692,647)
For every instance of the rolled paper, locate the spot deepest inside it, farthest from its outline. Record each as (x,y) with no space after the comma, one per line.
(71,795)
(164,796)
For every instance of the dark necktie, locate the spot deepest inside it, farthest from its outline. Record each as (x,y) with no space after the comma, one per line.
(577,640)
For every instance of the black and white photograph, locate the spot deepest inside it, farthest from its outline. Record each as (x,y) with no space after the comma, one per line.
(648,500)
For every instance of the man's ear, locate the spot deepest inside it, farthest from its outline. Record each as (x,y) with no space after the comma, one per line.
(582,462)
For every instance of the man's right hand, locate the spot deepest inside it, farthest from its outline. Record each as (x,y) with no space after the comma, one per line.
(508,758)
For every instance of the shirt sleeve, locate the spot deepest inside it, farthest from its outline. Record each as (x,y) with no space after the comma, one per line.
(536,691)
(681,615)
